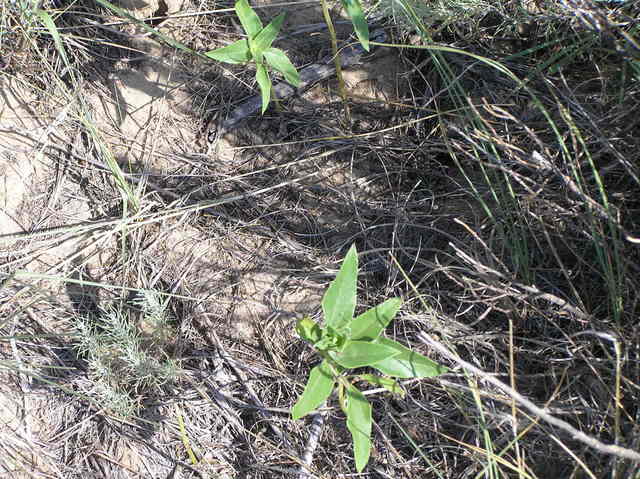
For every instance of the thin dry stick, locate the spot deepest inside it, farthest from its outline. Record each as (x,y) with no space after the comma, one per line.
(312,443)
(576,434)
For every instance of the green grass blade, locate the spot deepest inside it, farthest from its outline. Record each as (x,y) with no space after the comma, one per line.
(169,41)
(249,19)
(356,14)
(262,76)
(48,22)
(359,425)
(317,390)
(237,52)
(184,437)
(432,467)
(127,191)
(339,302)
(278,60)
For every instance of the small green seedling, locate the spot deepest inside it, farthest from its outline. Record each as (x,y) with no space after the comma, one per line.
(346,342)
(257,48)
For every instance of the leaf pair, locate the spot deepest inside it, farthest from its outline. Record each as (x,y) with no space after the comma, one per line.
(346,342)
(257,48)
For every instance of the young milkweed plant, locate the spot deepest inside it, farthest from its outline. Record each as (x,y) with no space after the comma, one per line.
(345,343)
(257,48)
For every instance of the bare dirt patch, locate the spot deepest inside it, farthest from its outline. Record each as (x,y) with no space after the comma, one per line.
(15,160)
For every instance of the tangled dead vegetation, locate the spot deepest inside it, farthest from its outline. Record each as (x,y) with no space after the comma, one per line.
(149,290)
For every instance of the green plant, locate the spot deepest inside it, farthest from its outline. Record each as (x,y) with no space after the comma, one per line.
(346,342)
(126,353)
(257,48)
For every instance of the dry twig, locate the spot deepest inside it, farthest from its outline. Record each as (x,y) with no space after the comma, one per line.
(542,413)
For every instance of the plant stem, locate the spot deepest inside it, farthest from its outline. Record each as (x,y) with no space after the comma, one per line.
(276,100)
(336,59)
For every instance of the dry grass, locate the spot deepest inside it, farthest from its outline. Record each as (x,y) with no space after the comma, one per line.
(497,192)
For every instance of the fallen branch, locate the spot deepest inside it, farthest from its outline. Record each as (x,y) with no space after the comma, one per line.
(312,444)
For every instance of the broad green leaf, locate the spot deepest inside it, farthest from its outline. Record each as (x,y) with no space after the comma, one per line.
(248,18)
(355,13)
(308,330)
(265,85)
(356,354)
(371,323)
(389,384)
(339,302)
(279,61)
(407,364)
(237,52)
(359,425)
(267,35)
(48,22)
(317,390)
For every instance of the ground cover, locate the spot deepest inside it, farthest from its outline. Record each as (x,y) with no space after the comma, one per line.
(483,158)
